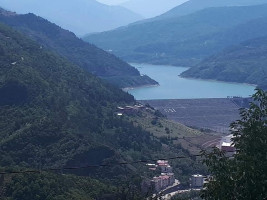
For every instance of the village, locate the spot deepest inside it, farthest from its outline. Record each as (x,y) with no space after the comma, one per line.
(166,184)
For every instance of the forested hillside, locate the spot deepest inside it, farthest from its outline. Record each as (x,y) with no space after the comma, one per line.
(47,102)
(55,114)
(65,43)
(244,63)
(48,186)
(183,40)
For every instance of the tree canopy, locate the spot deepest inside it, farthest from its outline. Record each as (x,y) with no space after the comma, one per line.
(242,176)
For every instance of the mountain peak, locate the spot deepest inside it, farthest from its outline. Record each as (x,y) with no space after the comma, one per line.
(80,17)
(7,13)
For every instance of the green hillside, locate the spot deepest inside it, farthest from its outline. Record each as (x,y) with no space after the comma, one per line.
(45,100)
(244,63)
(182,40)
(55,114)
(48,186)
(85,55)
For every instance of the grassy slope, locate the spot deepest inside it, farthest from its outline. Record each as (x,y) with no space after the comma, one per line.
(180,40)
(83,54)
(170,132)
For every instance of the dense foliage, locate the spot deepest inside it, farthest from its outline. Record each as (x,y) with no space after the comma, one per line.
(244,63)
(55,114)
(65,43)
(242,176)
(184,40)
(47,186)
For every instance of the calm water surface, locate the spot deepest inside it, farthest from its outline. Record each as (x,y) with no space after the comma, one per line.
(174,87)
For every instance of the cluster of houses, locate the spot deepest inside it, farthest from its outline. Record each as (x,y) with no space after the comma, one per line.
(166,178)
(130,109)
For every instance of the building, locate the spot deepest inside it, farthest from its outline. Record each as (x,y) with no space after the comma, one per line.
(156,184)
(164,166)
(130,109)
(166,178)
(197,180)
(163,181)
(171,178)
(226,145)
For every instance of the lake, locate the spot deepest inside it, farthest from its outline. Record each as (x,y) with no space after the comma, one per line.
(174,87)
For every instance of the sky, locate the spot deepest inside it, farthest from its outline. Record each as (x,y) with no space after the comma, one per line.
(146,8)
(112,2)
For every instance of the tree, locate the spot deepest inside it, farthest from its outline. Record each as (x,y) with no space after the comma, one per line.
(243,176)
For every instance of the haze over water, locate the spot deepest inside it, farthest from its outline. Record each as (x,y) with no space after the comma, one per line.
(174,87)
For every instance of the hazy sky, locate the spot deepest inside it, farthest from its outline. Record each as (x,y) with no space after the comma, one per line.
(111,2)
(146,8)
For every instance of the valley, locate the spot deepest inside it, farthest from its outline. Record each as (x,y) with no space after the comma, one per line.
(97,103)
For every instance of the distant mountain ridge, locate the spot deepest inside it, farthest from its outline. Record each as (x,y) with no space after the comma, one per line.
(85,55)
(184,40)
(143,7)
(192,6)
(243,63)
(79,16)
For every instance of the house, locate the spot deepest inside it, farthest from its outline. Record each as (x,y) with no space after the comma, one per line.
(197,180)
(130,109)
(171,178)
(226,145)
(156,184)
(162,182)
(164,166)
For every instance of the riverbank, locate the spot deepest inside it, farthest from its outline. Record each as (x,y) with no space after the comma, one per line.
(219,81)
(127,89)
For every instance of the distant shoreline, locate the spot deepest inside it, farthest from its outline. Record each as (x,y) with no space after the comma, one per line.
(142,86)
(214,80)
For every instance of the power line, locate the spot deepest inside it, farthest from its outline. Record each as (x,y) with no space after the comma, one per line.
(101,165)
(96,166)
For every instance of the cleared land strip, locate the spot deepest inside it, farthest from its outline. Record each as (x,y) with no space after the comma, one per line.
(214,114)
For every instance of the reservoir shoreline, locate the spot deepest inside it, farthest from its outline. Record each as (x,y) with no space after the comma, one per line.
(173,86)
(219,81)
(127,89)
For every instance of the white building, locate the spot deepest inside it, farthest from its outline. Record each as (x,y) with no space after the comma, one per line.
(197,180)
(226,145)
